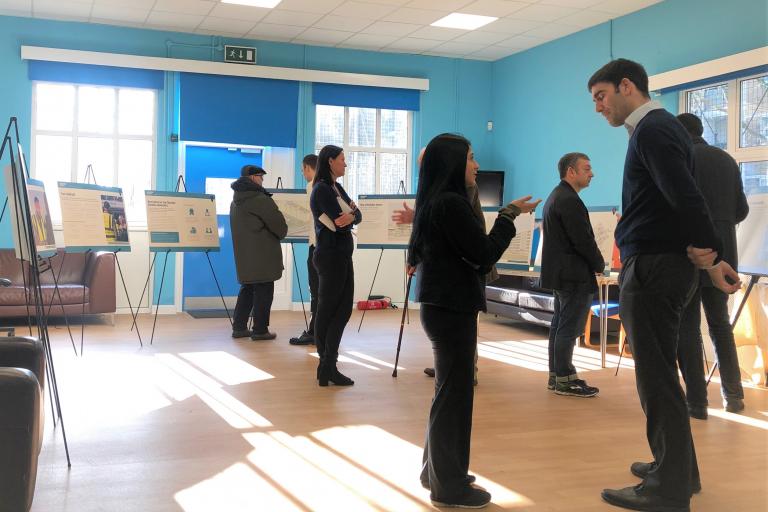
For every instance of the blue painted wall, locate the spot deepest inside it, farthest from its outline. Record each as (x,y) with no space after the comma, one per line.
(542,109)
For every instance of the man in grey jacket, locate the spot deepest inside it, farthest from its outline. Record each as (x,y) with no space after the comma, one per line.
(257,228)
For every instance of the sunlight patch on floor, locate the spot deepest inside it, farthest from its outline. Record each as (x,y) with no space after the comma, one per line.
(225,367)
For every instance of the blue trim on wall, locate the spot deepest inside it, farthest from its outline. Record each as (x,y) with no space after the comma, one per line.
(90,74)
(365,97)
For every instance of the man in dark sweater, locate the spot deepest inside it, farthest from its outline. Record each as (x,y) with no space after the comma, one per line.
(665,226)
(570,259)
(719,180)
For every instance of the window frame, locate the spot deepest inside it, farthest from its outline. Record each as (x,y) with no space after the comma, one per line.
(115,137)
(377,149)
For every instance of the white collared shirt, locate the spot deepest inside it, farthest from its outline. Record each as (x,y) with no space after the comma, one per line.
(633,119)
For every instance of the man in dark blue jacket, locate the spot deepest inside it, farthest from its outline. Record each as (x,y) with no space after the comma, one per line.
(665,226)
(570,259)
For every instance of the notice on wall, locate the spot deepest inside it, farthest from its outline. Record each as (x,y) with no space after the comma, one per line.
(518,254)
(604,220)
(40,218)
(181,221)
(293,203)
(93,218)
(379,228)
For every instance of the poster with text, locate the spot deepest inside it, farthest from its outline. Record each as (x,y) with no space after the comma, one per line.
(93,218)
(181,221)
(752,234)
(518,254)
(293,203)
(604,220)
(42,226)
(379,228)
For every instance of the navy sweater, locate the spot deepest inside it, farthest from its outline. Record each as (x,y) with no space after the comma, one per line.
(663,210)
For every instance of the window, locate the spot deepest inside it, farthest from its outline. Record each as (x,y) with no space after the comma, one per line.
(376,146)
(111,129)
(735,118)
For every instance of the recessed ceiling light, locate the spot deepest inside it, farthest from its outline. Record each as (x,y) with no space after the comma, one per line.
(253,3)
(464,21)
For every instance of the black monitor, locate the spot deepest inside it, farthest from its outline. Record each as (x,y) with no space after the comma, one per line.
(490,185)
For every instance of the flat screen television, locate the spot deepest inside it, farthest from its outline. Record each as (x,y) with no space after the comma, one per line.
(490,185)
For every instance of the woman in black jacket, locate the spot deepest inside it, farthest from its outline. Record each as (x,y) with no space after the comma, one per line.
(334,214)
(452,254)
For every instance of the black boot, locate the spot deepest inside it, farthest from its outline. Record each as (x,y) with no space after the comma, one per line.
(329,373)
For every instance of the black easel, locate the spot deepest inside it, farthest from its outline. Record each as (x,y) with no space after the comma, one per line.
(26,240)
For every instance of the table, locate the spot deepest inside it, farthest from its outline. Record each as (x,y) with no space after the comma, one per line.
(604,283)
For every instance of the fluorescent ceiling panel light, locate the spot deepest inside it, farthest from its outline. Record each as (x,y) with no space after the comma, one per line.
(464,21)
(253,3)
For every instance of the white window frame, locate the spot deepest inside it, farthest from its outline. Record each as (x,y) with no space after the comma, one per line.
(377,149)
(741,155)
(74,133)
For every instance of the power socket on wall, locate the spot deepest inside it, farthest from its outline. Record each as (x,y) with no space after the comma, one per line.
(490,126)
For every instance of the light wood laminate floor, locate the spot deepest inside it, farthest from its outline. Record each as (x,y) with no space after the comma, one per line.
(201,422)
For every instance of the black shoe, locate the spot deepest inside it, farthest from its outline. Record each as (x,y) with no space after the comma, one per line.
(334,376)
(575,388)
(472,497)
(470,480)
(430,372)
(304,339)
(263,336)
(734,405)
(641,470)
(551,383)
(241,333)
(697,411)
(634,498)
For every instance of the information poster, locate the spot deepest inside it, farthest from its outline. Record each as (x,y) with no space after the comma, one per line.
(604,220)
(378,229)
(518,254)
(181,221)
(752,234)
(42,227)
(293,203)
(93,218)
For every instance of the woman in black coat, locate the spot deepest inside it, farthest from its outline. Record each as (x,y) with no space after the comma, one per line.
(452,254)
(334,214)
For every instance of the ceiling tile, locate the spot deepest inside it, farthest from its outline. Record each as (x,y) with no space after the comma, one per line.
(586,18)
(174,19)
(333,22)
(361,10)
(458,48)
(62,9)
(324,36)
(576,4)
(119,13)
(521,42)
(201,7)
(511,26)
(438,5)
(420,16)
(498,8)
(438,33)
(553,31)
(271,30)
(389,2)
(315,6)
(239,12)
(226,25)
(368,41)
(16,5)
(544,13)
(414,45)
(479,37)
(117,23)
(222,33)
(388,28)
(624,6)
(137,4)
(299,19)
(16,12)
(491,53)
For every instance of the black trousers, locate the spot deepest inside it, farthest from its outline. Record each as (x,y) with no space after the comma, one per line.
(256,297)
(690,347)
(654,290)
(446,450)
(314,283)
(568,321)
(334,299)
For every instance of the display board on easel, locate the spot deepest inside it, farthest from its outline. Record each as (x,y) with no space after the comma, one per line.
(518,254)
(752,234)
(293,203)
(379,231)
(181,221)
(42,227)
(93,218)
(604,220)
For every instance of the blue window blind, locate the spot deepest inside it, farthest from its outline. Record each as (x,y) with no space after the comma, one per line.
(95,75)
(238,110)
(368,97)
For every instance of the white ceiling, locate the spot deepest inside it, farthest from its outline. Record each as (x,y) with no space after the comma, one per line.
(401,26)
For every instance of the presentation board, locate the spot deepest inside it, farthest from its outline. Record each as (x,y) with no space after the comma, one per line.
(518,254)
(378,230)
(604,220)
(93,218)
(42,227)
(181,221)
(293,203)
(752,235)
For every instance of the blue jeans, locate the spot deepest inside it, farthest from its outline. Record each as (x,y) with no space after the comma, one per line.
(571,308)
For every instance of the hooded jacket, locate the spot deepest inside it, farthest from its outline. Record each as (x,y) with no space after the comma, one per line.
(257,228)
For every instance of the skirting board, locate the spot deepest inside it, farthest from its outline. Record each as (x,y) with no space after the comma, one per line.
(168,309)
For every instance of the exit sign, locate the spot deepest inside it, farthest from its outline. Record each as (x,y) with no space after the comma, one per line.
(240,54)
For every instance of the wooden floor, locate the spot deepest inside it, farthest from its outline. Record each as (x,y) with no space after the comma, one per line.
(201,422)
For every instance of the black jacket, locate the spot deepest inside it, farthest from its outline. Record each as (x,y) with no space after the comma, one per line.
(570,256)
(719,180)
(458,254)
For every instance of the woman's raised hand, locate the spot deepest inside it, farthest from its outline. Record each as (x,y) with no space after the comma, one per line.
(525,204)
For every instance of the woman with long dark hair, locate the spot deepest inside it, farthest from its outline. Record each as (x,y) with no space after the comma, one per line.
(334,214)
(452,254)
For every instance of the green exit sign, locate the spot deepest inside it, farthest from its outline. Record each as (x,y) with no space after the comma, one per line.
(240,54)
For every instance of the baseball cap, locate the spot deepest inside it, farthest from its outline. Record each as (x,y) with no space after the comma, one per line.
(252,170)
